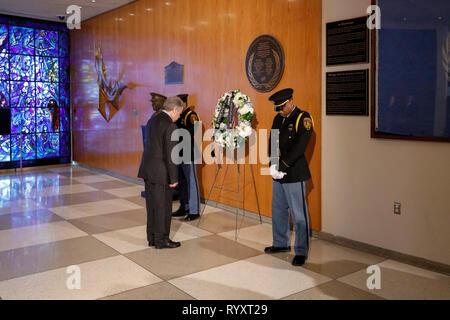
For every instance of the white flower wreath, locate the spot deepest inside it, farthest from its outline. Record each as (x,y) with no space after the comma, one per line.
(232,105)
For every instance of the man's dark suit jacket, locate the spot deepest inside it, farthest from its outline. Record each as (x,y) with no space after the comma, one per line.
(156,164)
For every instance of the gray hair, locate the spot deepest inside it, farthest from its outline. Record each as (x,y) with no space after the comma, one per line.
(172,103)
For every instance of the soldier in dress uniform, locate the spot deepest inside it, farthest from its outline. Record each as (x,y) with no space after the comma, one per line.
(189,189)
(290,171)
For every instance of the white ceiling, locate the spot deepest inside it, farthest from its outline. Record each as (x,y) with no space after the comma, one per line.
(51,9)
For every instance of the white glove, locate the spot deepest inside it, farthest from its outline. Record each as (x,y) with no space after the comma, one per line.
(277,175)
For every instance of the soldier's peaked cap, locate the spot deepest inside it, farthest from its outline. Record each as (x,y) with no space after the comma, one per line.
(183,97)
(281,97)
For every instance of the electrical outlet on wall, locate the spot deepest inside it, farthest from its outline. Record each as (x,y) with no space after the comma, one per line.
(397,208)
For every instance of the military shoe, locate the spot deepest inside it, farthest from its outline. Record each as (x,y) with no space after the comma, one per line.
(180,213)
(272,249)
(298,260)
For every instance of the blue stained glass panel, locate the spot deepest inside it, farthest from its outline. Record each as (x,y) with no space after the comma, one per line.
(47,145)
(64,43)
(4,90)
(45,92)
(47,69)
(65,144)
(64,75)
(22,94)
(5,149)
(21,40)
(22,67)
(23,120)
(64,90)
(4,66)
(44,120)
(3,38)
(28,147)
(46,43)
(34,69)
(65,119)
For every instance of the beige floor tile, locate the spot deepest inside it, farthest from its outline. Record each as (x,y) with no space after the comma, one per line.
(48,256)
(73,199)
(76,173)
(112,184)
(209,209)
(134,239)
(8,207)
(333,290)
(193,256)
(403,282)
(261,277)
(37,234)
(61,190)
(126,192)
(333,260)
(29,218)
(257,237)
(125,240)
(111,222)
(180,231)
(223,221)
(93,178)
(158,291)
(99,279)
(68,168)
(137,200)
(94,208)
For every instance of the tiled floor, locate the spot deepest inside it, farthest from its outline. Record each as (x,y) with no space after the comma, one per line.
(59,217)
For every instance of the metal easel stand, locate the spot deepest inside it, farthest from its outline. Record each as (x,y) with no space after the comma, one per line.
(237,192)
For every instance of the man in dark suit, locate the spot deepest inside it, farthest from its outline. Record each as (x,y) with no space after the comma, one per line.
(160,173)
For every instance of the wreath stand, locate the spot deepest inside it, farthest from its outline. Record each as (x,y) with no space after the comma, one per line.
(237,192)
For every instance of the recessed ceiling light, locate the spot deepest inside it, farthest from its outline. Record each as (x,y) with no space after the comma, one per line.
(131,14)
(149,9)
(168,3)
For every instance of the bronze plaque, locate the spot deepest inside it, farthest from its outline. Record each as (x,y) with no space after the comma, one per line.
(174,73)
(264,64)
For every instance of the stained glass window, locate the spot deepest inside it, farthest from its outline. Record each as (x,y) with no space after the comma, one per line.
(27,145)
(3,38)
(45,120)
(22,94)
(47,145)
(47,69)
(4,93)
(4,66)
(23,120)
(35,69)
(5,149)
(46,43)
(21,40)
(22,67)
(46,92)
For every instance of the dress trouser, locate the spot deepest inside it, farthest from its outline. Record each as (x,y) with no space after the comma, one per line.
(159,211)
(290,196)
(189,190)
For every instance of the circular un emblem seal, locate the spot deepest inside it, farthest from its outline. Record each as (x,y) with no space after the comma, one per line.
(264,64)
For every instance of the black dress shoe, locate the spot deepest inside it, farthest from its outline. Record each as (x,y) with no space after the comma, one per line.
(191,217)
(180,213)
(273,249)
(167,244)
(151,243)
(298,260)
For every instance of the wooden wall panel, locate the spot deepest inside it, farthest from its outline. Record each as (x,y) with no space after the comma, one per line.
(210,38)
